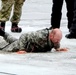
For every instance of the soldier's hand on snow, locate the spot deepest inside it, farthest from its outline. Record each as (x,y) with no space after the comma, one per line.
(62,49)
(21,52)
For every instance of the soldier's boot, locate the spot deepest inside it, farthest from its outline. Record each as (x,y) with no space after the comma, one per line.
(2,26)
(15,28)
(2,33)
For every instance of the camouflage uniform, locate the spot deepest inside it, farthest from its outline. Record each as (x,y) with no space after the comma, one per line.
(32,42)
(7,8)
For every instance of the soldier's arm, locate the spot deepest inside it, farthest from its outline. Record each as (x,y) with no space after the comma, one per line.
(23,42)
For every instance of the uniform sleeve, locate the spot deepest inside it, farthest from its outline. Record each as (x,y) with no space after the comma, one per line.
(23,41)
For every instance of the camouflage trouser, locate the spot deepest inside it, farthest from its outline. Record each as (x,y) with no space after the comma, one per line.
(6,9)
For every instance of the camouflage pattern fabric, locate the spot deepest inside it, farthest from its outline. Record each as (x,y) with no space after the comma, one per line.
(32,42)
(5,12)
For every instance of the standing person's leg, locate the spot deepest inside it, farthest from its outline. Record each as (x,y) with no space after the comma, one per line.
(56,13)
(73,27)
(72,33)
(17,12)
(5,11)
(70,7)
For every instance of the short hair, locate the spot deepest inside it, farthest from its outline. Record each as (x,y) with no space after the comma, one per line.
(57,32)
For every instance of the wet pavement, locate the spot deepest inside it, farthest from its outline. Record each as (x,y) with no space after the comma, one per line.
(36,15)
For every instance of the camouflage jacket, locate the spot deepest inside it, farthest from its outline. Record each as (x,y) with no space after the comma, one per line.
(36,41)
(31,42)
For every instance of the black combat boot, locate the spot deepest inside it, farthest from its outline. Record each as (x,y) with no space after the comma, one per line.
(2,33)
(15,28)
(71,36)
(2,26)
(50,28)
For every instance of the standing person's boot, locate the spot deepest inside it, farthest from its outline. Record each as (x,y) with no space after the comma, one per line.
(2,26)
(15,28)
(71,36)
(50,28)
(2,33)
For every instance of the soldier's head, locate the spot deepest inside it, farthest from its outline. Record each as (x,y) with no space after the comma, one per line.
(55,35)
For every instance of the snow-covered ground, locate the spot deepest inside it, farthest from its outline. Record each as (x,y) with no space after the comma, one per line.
(36,15)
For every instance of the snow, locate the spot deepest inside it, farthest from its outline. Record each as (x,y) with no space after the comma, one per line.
(36,15)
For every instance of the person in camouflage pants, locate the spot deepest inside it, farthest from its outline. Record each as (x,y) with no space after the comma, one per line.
(40,41)
(5,13)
